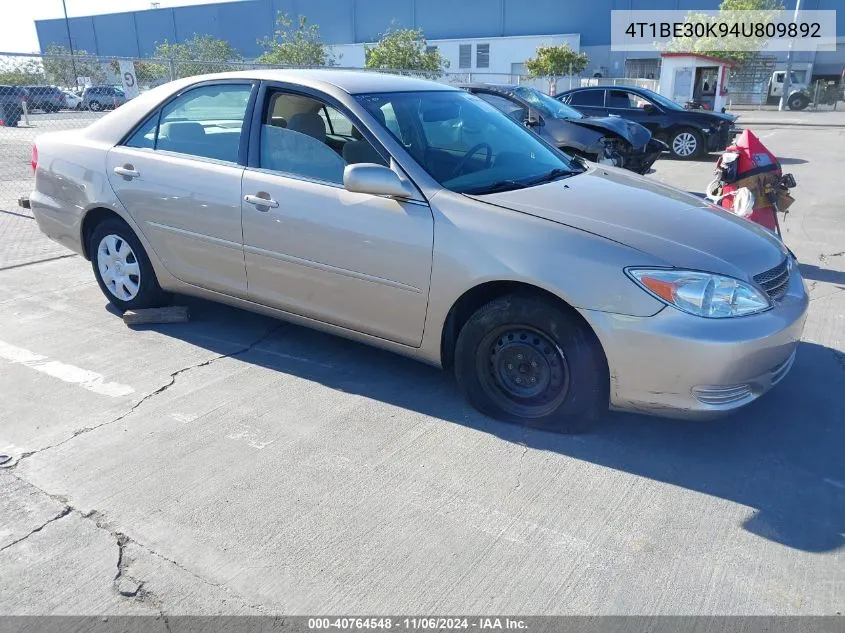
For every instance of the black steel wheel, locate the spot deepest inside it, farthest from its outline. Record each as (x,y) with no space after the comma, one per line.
(525,358)
(526,372)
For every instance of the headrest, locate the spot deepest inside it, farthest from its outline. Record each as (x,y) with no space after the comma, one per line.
(309,123)
(185,131)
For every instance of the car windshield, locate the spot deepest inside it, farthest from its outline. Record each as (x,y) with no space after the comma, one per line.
(547,106)
(666,103)
(465,144)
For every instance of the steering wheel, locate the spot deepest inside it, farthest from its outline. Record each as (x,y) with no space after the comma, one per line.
(470,153)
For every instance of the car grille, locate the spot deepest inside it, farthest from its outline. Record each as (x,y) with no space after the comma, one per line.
(775,281)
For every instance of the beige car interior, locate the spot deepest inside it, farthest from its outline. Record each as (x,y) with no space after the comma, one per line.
(305,137)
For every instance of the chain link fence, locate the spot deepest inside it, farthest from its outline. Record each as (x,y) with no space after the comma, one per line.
(43,93)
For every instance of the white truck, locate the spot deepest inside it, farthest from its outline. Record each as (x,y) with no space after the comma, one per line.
(799,97)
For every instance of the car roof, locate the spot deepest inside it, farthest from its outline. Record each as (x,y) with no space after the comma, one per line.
(586,88)
(495,87)
(350,81)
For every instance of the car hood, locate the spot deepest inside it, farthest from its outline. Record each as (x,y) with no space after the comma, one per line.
(673,226)
(636,134)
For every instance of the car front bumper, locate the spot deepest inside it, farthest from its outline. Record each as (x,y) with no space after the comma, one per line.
(641,160)
(678,365)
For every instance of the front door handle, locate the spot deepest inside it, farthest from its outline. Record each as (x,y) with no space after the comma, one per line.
(127,171)
(260,201)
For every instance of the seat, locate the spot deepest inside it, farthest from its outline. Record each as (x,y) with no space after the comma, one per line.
(187,137)
(309,123)
(360,150)
(292,152)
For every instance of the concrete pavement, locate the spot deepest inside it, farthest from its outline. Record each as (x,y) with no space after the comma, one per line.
(237,464)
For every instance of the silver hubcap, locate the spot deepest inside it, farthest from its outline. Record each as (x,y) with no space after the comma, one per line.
(684,144)
(119,267)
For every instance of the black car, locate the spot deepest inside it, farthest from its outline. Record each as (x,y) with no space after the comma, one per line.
(11,100)
(46,98)
(688,133)
(608,140)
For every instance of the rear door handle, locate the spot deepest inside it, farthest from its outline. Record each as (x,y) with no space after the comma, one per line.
(127,171)
(259,201)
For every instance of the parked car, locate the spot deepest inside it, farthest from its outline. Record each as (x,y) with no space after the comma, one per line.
(98,98)
(688,133)
(552,287)
(11,99)
(73,101)
(45,98)
(608,140)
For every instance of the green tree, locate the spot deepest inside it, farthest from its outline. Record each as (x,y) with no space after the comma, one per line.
(731,12)
(199,55)
(298,45)
(21,71)
(62,69)
(405,49)
(555,62)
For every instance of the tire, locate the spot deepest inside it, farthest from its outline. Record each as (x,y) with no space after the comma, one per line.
(686,143)
(95,106)
(107,249)
(519,338)
(798,101)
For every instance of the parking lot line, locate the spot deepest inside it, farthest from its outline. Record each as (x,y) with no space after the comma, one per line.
(90,380)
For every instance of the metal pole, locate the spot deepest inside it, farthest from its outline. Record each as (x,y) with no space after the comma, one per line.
(784,97)
(70,45)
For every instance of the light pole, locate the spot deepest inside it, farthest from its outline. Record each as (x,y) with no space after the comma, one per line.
(784,97)
(70,45)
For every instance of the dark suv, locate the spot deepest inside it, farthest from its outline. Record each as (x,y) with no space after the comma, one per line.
(11,98)
(46,98)
(98,98)
(688,133)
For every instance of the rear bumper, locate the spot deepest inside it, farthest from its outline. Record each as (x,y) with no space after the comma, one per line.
(720,138)
(677,365)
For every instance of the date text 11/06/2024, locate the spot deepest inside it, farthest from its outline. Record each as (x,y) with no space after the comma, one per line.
(416,624)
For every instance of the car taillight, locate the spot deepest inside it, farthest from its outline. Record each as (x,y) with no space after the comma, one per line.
(34,157)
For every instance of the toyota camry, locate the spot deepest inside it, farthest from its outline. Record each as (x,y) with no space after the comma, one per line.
(419,218)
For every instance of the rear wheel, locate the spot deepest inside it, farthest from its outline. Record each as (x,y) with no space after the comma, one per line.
(122,267)
(523,359)
(686,143)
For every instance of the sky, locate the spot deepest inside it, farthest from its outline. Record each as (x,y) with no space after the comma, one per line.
(17,27)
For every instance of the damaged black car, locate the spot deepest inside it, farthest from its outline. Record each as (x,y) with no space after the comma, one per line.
(608,140)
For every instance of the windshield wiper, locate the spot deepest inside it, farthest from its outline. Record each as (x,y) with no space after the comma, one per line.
(551,175)
(496,187)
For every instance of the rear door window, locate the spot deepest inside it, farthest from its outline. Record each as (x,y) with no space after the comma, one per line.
(593,98)
(205,122)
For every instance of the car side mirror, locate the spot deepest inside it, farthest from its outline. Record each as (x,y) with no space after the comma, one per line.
(649,108)
(376,180)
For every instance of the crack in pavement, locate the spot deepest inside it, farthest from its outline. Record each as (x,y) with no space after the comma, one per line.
(131,587)
(171,381)
(524,445)
(64,512)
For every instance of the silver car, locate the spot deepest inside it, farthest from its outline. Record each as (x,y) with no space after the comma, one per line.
(420,219)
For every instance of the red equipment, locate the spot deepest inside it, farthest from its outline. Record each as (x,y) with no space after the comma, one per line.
(758,170)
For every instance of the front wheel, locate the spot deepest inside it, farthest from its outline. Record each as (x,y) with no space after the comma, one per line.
(122,268)
(95,106)
(686,143)
(798,101)
(523,359)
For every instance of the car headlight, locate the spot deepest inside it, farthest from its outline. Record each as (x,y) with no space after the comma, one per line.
(702,294)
